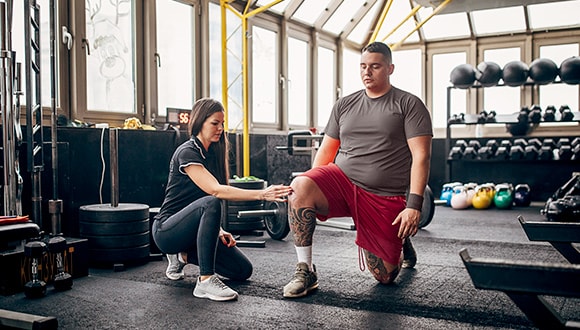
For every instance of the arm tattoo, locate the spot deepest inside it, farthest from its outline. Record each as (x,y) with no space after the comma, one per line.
(302,223)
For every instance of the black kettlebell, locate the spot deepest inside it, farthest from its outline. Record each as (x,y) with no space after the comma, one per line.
(535,114)
(550,113)
(566,113)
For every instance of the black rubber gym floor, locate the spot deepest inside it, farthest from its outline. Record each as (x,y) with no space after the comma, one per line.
(437,294)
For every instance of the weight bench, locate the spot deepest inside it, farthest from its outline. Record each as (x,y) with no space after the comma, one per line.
(13,233)
(525,282)
(561,235)
(16,320)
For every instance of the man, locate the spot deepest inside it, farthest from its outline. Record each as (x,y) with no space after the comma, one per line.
(376,146)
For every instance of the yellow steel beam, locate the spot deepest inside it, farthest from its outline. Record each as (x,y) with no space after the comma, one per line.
(224,61)
(413,12)
(435,12)
(381,20)
(245,77)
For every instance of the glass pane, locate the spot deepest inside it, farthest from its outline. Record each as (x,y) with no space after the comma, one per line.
(362,31)
(554,14)
(502,99)
(234,102)
(446,26)
(110,72)
(351,81)
(499,20)
(264,76)
(398,11)
(18,47)
(343,14)
(310,10)
(278,8)
(175,48)
(443,64)
(298,108)
(407,74)
(559,94)
(326,85)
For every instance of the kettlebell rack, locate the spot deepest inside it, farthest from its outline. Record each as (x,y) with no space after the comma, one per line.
(501,119)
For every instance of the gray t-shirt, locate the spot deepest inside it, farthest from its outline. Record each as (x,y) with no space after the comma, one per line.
(373,137)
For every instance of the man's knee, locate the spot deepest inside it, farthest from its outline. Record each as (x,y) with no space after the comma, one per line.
(387,277)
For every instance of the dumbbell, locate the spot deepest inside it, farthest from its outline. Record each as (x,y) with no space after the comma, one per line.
(535,114)
(62,280)
(545,153)
(492,145)
(516,152)
(576,152)
(531,152)
(565,152)
(563,142)
(482,117)
(520,142)
(455,153)
(484,152)
(35,288)
(575,142)
(550,113)
(474,144)
(566,113)
(470,153)
(491,116)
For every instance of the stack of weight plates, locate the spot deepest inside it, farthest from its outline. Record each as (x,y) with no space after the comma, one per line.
(115,234)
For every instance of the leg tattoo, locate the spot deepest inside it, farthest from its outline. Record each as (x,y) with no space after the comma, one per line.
(302,223)
(377,267)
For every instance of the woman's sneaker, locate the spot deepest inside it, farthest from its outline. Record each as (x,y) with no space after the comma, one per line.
(214,289)
(174,270)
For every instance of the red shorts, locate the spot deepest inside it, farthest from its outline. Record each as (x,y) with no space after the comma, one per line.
(373,215)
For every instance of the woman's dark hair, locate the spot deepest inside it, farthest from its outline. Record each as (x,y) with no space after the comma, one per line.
(379,47)
(203,109)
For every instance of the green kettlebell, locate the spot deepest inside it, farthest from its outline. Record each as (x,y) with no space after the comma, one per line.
(503,198)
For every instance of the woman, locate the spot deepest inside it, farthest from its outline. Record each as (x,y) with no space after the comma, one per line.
(189,219)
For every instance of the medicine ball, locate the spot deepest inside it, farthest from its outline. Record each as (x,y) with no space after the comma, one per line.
(570,70)
(463,76)
(488,73)
(543,71)
(515,73)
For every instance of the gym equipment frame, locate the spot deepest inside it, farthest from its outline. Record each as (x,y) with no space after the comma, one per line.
(525,282)
(560,235)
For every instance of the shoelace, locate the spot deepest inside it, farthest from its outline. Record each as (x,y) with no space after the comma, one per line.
(219,283)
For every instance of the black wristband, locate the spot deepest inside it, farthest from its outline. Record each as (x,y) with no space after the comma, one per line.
(415,201)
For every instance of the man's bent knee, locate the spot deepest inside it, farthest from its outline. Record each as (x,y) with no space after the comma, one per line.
(306,193)
(383,272)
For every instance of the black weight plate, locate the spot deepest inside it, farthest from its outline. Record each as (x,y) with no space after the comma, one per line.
(277,225)
(428,208)
(119,255)
(118,241)
(109,228)
(250,205)
(108,213)
(245,225)
(253,185)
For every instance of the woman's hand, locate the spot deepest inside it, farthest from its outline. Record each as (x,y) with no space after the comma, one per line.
(276,193)
(227,238)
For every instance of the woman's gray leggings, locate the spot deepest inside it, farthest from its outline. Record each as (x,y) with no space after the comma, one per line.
(195,230)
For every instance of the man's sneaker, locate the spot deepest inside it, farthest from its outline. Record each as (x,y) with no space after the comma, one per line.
(174,270)
(213,288)
(409,254)
(303,281)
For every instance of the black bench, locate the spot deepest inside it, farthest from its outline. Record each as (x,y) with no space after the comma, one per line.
(561,235)
(525,283)
(11,235)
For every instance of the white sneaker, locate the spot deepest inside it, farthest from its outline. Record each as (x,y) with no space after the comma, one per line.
(174,270)
(214,289)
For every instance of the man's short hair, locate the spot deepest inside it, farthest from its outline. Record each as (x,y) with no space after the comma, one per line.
(379,47)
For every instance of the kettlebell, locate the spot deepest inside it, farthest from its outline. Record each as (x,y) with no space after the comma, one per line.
(503,198)
(481,200)
(447,192)
(460,199)
(522,196)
